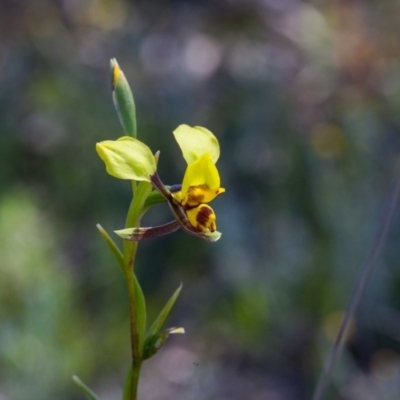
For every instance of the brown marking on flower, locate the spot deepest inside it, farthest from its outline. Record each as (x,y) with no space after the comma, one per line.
(195,195)
(206,218)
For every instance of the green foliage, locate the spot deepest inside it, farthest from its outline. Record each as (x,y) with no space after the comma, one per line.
(163,315)
(119,257)
(155,337)
(40,325)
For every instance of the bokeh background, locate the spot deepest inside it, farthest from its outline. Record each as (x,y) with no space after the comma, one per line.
(304,97)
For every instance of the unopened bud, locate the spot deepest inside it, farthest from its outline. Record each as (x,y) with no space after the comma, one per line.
(123,99)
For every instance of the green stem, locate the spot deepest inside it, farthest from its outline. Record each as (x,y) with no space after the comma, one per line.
(132,307)
(135,212)
(135,379)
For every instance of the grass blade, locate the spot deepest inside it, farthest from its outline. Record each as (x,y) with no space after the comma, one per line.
(85,389)
(360,285)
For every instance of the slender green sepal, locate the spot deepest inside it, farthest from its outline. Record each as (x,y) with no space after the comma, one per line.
(123,99)
(155,342)
(159,321)
(113,247)
(85,389)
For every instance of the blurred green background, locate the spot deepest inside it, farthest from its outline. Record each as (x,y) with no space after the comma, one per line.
(304,97)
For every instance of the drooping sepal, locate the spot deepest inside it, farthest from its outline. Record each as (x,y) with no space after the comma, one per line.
(123,99)
(142,233)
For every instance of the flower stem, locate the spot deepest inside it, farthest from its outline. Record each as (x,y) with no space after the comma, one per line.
(132,308)
(135,314)
(135,379)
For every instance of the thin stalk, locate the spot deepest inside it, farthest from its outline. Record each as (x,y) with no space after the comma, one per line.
(134,380)
(135,342)
(132,220)
(130,249)
(135,211)
(367,268)
(132,307)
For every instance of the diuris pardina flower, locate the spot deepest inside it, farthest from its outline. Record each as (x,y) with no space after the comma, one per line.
(201,182)
(128,158)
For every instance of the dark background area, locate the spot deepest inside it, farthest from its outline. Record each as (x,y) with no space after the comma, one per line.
(304,98)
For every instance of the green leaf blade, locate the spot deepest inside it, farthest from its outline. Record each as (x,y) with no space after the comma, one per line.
(113,247)
(162,316)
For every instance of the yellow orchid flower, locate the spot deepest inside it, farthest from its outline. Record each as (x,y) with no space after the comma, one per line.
(128,158)
(201,182)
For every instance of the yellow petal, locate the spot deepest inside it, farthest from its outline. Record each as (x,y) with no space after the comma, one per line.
(195,142)
(127,158)
(201,172)
(201,194)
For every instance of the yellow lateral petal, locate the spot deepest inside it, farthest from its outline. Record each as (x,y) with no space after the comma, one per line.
(127,158)
(199,194)
(195,142)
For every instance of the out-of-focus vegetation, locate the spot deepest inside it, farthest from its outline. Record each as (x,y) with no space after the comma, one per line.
(305,100)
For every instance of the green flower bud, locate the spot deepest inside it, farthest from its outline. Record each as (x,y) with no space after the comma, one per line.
(123,99)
